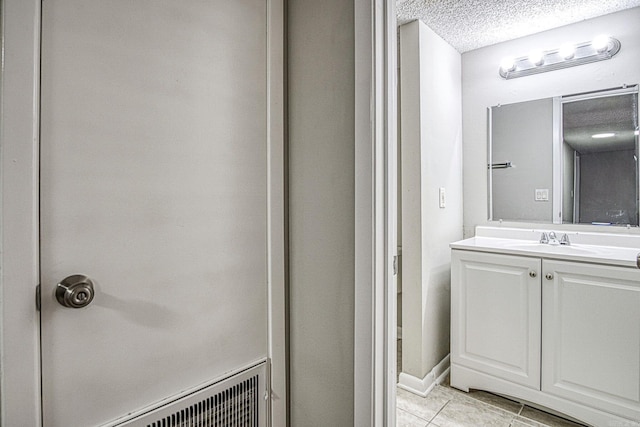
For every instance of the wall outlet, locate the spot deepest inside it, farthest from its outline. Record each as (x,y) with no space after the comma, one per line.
(542,195)
(442,198)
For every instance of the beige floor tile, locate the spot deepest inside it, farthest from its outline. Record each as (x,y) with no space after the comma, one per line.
(545,418)
(522,422)
(497,401)
(405,419)
(488,398)
(468,413)
(425,408)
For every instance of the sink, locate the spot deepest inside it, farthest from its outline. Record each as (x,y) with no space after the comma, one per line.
(575,249)
(519,244)
(578,249)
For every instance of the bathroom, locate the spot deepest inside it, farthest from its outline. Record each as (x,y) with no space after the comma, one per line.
(440,206)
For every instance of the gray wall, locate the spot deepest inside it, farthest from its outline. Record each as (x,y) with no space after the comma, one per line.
(608,179)
(522,134)
(483,87)
(321,208)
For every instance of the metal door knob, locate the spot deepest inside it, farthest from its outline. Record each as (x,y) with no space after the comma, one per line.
(533,274)
(75,291)
(549,276)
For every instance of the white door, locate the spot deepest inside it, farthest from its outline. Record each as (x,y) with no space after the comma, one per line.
(154,185)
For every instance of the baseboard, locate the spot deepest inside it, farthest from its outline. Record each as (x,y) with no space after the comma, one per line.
(423,386)
(399,333)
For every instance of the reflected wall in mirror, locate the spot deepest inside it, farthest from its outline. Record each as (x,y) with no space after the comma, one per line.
(570,159)
(520,161)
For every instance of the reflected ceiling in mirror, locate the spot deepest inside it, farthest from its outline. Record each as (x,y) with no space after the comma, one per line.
(601,124)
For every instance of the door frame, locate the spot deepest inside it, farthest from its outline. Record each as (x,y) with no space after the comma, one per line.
(374,371)
(19,263)
(375,348)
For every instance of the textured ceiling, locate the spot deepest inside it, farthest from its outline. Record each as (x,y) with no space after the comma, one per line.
(471,24)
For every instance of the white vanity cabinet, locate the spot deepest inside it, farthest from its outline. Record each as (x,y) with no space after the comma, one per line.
(564,335)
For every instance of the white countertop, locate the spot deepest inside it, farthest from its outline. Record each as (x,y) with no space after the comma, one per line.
(597,248)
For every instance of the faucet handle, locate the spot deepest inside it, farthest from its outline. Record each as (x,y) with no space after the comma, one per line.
(544,238)
(564,240)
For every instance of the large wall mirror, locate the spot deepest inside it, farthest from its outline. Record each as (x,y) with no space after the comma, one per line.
(570,159)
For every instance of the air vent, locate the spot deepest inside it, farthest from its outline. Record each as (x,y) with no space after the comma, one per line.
(234,402)
(236,406)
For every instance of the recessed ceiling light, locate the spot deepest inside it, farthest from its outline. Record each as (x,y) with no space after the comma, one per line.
(603,135)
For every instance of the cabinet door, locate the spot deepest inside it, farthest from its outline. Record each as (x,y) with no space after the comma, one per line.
(495,315)
(591,335)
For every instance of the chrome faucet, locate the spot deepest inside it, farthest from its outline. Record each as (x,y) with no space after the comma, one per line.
(545,238)
(551,238)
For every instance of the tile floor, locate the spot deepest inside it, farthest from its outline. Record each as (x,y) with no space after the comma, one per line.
(446,406)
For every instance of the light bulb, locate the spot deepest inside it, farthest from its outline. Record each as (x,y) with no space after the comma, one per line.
(567,51)
(507,65)
(600,43)
(536,58)
(603,135)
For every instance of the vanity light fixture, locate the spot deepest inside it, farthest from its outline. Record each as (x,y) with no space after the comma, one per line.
(569,55)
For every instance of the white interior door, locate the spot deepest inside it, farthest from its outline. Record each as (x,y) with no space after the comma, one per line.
(154,185)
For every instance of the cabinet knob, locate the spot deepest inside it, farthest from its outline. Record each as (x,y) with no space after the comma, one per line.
(533,274)
(549,276)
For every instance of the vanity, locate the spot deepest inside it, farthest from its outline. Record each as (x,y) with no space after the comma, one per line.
(555,326)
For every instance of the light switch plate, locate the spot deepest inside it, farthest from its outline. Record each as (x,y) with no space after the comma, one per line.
(542,195)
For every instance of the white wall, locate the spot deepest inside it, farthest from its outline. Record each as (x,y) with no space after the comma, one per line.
(431,129)
(483,87)
(322,211)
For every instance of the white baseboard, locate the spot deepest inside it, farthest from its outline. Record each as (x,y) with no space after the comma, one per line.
(399,333)
(423,386)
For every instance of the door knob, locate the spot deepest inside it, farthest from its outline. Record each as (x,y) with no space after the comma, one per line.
(75,291)
(549,276)
(533,274)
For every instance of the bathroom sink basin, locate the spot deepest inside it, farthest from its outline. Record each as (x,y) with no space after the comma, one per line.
(557,249)
(524,245)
